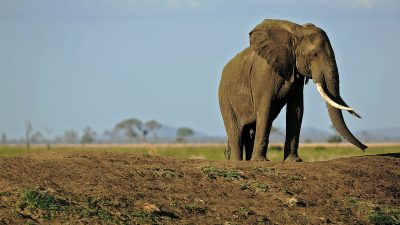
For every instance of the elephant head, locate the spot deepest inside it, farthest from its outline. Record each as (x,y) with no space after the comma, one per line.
(292,49)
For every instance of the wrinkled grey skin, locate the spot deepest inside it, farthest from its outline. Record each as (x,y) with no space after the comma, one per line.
(260,80)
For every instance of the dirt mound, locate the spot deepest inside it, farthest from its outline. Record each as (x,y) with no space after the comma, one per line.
(115,188)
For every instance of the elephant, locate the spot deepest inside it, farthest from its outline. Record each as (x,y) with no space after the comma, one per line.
(271,73)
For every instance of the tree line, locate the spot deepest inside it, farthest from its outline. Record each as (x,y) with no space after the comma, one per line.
(131,130)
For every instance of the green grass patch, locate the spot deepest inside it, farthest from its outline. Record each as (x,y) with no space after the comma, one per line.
(384,217)
(47,207)
(318,153)
(43,204)
(214,172)
(42,201)
(96,207)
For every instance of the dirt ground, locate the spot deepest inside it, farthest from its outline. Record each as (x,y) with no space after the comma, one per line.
(117,188)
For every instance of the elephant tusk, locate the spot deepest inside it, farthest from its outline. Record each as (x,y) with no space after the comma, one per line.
(354,114)
(330,101)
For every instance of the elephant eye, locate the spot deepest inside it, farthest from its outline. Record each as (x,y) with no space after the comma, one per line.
(314,54)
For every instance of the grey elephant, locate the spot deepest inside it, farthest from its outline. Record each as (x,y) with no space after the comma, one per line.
(259,81)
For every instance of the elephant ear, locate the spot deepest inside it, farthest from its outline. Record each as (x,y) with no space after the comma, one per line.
(274,42)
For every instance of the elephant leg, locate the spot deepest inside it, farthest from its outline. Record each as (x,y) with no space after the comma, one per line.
(248,140)
(235,144)
(234,132)
(263,127)
(294,116)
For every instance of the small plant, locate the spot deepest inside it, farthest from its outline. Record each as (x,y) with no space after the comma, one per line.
(175,203)
(165,172)
(29,223)
(42,201)
(214,172)
(254,186)
(196,209)
(244,210)
(263,170)
(380,217)
(94,207)
(245,186)
(143,217)
(352,201)
(5,193)
(260,186)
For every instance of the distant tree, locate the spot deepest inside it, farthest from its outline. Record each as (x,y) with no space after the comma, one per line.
(88,135)
(308,140)
(132,127)
(152,126)
(28,131)
(71,136)
(46,137)
(111,134)
(183,133)
(36,137)
(334,138)
(4,138)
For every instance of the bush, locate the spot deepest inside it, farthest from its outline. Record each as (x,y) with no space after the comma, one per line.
(334,139)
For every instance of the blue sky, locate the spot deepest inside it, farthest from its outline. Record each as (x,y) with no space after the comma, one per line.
(67,64)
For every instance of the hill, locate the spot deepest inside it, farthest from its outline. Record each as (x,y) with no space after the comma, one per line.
(116,188)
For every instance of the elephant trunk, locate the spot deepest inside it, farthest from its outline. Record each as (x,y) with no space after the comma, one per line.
(338,122)
(330,85)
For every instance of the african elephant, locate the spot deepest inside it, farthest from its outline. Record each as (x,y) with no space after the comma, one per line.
(271,73)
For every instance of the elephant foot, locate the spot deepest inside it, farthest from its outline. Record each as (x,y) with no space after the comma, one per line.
(292,158)
(261,159)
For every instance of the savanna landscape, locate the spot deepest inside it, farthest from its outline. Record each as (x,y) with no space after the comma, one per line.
(199,112)
(194,184)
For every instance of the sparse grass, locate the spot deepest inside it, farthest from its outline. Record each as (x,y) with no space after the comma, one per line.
(261,186)
(46,207)
(93,207)
(165,172)
(352,201)
(254,186)
(318,153)
(376,214)
(193,208)
(214,172)
(42,201)
(245,211)
(266,170)
(175,203)
(384,217)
